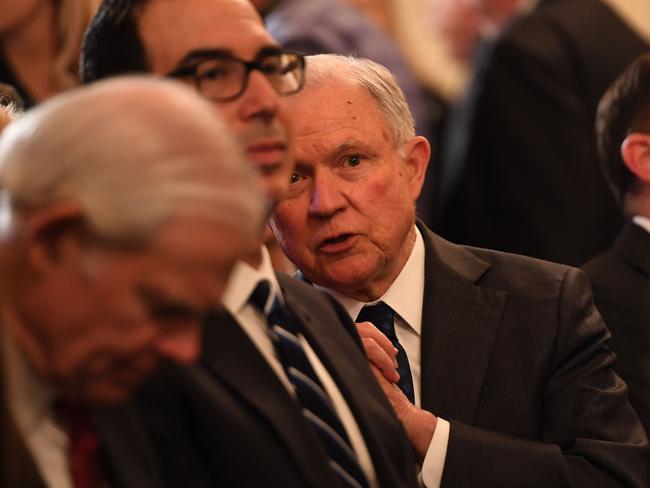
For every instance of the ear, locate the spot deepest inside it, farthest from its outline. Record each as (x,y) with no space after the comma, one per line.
(417,152)
(53,236)
(635,151)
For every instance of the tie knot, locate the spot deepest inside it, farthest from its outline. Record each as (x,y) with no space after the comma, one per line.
(260,296)
(380,315)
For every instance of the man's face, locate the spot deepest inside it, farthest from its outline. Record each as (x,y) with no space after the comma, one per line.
(347,222)
(102,317)
(171,30)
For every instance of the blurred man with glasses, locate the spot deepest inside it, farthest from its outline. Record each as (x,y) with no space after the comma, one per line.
(283,395)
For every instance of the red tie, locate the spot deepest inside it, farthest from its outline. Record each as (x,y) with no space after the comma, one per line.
(83,453)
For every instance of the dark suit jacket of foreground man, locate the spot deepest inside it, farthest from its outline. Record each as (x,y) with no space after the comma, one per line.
(514,355)
(230,421)
(127,458)
(620,279)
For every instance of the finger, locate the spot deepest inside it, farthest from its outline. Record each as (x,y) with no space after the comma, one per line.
(382,361)
(366,329)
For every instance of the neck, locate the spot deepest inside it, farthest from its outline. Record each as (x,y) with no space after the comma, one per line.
(25,342)
(30,49)
(375,288)
(637,201)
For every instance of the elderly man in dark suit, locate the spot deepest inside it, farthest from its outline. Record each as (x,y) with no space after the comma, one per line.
(529,178)
(620,277)
(503,374)
(283,395)
(112,248)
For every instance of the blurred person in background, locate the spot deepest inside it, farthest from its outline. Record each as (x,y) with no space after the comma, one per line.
(473,27)
(525,175)
(39,45)
(620,277)
(114,244)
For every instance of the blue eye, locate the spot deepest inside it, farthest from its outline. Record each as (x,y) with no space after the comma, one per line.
(294,178)
(353,160)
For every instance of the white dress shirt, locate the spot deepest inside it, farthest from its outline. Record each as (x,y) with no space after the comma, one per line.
(643,222)
(406,297)
(242,282)
(30,405)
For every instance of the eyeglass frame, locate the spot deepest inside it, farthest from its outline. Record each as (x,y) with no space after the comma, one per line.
(197,57)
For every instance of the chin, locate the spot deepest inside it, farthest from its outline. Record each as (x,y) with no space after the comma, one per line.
(344,278)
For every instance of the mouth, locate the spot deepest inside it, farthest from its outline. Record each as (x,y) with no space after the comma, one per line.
(337,244)
(267,155)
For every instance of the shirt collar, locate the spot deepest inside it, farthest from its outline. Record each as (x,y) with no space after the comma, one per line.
(642,222)
(405,296)
(243,280)
(29,397)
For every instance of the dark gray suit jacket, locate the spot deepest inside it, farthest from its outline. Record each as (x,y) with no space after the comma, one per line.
(231,422)
(620,279)
(514,354)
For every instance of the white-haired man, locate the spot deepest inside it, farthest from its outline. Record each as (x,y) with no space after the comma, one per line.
(508,350)
(119,225)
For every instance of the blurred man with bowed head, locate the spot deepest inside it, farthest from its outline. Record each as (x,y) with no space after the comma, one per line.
(123,208)
(503,377)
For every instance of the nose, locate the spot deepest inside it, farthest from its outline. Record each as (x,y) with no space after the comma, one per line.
(181,346)
(259,100)
(327,197)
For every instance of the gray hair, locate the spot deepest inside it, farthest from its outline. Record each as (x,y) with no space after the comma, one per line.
(131,152)
(375,78)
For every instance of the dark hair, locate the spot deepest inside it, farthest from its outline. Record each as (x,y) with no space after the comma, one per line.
(624,108)
(112,45)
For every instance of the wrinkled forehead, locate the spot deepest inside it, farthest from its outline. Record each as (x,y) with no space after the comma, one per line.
(172,29)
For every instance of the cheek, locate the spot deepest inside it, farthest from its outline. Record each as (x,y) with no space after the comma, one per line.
(289,223)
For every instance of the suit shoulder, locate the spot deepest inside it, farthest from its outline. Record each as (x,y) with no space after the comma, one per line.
(556,33)
(600,268)
(303,290)
(310,297)
(519,262)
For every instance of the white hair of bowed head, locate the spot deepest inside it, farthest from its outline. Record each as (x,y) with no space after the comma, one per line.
(131,151)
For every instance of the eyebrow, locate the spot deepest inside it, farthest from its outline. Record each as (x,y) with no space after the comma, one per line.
(199,54)
(352,145)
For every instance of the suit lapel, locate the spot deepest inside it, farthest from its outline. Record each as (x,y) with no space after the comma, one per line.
(231,356)
(634,245)
(128,458)
(459,325)
(348,368)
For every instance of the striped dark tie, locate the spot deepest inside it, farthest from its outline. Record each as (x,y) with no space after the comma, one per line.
(383,317)
(317,405)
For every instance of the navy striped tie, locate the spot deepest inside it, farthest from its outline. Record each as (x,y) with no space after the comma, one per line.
(383,317)
(317,405)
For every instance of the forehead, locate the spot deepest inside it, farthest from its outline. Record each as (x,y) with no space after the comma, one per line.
(334,113)
(170,29)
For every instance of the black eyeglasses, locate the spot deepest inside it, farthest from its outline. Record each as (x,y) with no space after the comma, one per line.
(222,77)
